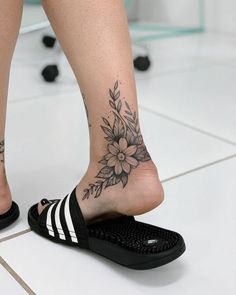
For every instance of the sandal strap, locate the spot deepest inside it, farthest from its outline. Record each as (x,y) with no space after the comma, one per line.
(64,220)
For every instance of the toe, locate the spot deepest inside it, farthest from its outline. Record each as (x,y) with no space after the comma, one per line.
(42,205)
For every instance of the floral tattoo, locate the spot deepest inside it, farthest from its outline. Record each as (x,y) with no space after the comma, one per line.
(125,147)
(2,149)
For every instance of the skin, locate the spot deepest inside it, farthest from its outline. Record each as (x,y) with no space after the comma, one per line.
(96,42)
(10,17)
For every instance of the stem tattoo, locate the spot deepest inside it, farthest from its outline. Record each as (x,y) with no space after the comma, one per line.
(2,149)
(125,146)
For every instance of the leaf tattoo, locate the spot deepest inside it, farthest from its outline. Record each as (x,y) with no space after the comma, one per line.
(86,109)
(125,146)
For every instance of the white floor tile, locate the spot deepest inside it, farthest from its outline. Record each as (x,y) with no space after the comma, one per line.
(30,49)
(8,285)
(199,205)
(29,59)
(187,52)
(47,149)
(32,14)
(177,149)
(204,98)
(26,82)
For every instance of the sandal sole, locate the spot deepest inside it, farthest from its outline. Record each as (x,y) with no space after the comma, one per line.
(11,218)
(116,253)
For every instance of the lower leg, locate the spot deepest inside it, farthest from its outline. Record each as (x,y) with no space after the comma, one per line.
(10,17)
(121,176)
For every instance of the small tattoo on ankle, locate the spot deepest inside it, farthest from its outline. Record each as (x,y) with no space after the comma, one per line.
(86,109)
(2,150)
(125,146)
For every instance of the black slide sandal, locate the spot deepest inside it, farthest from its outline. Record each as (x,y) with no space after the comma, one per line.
(10,216)
(123,240)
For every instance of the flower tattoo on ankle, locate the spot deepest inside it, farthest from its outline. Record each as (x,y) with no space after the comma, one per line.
(2,149)
(125,146)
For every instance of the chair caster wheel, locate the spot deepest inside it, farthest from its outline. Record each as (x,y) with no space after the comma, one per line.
(50,73)
(49,41)
(142,63)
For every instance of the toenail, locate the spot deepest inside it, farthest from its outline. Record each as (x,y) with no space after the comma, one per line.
(44,202)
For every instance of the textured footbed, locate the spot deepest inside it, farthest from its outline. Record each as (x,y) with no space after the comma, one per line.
(133,235)
(130,234)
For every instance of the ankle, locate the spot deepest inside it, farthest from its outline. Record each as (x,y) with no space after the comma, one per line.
(142,193)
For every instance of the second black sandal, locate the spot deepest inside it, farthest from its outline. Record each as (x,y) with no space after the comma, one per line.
(123,240)
(10,216)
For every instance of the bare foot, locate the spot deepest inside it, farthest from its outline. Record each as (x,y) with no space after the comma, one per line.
(142,193)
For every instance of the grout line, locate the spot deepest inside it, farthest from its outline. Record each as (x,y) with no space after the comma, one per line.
(44,96)
(186,69)
(19,280)
(191,68)
(15,235)
(199,168)
(188,126)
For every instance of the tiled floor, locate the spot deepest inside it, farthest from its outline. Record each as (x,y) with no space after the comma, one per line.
(34,17)
(189,96)
(8,283)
